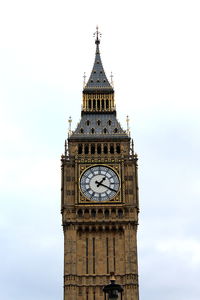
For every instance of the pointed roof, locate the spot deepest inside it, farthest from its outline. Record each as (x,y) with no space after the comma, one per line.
(99,127)
(98,80)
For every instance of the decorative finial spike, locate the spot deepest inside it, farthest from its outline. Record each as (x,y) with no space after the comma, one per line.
(111,79)
(84,80)
(65,148)
(70,126)
(128,128)
(98,35)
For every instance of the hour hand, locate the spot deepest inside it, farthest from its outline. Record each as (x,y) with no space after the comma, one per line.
(100,182)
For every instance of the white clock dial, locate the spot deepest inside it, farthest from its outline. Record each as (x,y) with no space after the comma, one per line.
(99,183)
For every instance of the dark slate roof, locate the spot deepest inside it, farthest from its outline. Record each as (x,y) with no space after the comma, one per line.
(98,80)
(92,127)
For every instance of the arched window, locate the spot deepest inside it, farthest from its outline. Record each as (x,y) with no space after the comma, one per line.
(112,149)
(118,148)
(99,148)
(105,130)
(86,149)
(86,213)
(92,130)
(93,213)
(115,130)
(93,149)
(113,212)
(105,149)
(81,130)
(80,213)
(120,213)
(107,104)
(90,104)
(98,122)
(106,213)
(80,149)
(109,122)
(102,104)
(87,122)
(100,213)
(98,104)
(94,104)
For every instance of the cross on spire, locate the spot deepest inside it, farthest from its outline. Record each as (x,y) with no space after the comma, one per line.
(97,34)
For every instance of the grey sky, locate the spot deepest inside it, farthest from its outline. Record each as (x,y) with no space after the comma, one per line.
(152,47)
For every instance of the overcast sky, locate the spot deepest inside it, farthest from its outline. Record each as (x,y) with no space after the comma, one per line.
(153,50)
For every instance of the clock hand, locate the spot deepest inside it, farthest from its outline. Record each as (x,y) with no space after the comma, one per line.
(100,183)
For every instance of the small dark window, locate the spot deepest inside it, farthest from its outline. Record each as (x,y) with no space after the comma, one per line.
(107,104)
(93,213)
(91,80)
(105,130)
(102,104)
(100,213)
(92,149)
(94,104)
(80,213)
(98,122)
(118,148)
(109,122)
(80,149)
(99,148)
(98,104)
(97,61)
(92,130)
(115,130)
(81,130)
(113,212)
(94,72)
(86,213)
(120,213)
(106,213)
(104,80)
(89,104)
(98,80)
(87,122)
(86,149)
(105,149)
(111,149)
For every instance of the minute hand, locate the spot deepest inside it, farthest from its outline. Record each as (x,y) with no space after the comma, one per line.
(107,187)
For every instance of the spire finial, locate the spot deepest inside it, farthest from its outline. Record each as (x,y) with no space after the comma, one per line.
(98,35)
(111,79)
(128,128)
(84,80)
(70,126)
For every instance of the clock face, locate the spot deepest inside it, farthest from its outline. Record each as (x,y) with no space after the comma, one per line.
(99,183)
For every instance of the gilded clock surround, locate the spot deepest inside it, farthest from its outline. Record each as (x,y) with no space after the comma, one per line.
(99,238)
(116,198)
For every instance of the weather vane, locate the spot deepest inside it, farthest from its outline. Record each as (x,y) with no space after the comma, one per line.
(97,34)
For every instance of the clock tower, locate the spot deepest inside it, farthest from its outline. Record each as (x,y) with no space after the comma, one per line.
(99,197)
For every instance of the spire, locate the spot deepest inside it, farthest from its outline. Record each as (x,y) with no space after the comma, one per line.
(98,80)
